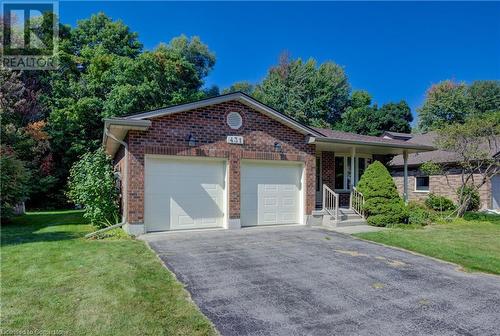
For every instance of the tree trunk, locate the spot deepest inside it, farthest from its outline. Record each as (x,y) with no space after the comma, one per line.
(463,204)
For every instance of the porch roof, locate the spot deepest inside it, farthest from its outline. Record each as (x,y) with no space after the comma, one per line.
(344,141)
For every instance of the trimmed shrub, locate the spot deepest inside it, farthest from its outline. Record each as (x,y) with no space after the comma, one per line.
(92,185)
(473,193)
(383,206)
(439,203)
(419,214)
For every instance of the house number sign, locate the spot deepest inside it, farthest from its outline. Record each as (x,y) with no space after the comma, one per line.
(235,139)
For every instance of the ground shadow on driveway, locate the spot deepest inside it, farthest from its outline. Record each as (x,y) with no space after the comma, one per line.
(305,281)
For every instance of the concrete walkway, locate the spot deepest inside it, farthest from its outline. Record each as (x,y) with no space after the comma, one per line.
(356,229)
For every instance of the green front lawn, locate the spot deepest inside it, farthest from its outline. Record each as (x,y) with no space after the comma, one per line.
(56,281)
(472,242)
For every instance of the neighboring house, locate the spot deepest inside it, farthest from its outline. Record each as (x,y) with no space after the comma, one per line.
(420,185)
(231,161)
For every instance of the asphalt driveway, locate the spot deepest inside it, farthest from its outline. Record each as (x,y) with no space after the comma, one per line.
(307,281)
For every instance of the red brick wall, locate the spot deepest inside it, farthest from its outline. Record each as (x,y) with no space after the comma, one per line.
(328,168)
(167,136)
(440,185)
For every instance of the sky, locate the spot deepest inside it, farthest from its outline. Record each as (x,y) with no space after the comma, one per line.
(393,50)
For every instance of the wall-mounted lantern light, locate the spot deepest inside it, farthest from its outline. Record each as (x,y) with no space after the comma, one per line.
(277,147)
(191,140)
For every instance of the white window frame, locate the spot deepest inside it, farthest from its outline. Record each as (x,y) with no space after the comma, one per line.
(421,191)
(347,159)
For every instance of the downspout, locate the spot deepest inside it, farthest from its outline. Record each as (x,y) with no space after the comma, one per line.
(125,207)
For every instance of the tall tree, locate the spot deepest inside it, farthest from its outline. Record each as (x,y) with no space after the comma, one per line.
(114,37)
(364,118)
(450,102)
(105,73)
(245,87)
(311,94)
(359,115)
(485,96)
(395,117)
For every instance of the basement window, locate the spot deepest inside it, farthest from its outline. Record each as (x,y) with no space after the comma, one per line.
(422,183)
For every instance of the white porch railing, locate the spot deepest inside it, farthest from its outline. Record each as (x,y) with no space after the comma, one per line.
(357,201)
(331,202)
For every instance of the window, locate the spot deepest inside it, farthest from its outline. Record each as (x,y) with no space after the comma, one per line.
(343,171)
(339,172)
(361,168)
(422,183)
(348,173)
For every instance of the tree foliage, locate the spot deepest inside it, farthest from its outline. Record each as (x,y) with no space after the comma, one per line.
(450,102)
(51,118)
(14,182)
(99,32)
(312,94)
(92,184)
(364,118)
(245,87)
(383,205)
(105,73)
(22,135)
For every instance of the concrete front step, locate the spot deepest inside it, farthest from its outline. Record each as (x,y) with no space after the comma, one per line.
(346,218)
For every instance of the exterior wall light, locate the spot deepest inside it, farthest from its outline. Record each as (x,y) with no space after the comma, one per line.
(191,140)
(277,147)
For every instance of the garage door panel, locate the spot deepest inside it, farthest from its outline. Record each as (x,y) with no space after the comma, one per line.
(270,193)
(184,194)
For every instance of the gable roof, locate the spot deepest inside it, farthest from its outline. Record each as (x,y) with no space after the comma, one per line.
(233,96)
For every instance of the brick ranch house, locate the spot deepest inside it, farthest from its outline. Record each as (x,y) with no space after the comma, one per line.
(420,185)
(230,162)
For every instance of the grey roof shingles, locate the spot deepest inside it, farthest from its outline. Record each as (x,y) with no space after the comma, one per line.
(339,135)
(438,156)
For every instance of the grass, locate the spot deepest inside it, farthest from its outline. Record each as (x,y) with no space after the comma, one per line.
(472,242)
(56,281)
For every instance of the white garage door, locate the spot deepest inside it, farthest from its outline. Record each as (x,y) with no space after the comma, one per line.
(270,193)
(183,193)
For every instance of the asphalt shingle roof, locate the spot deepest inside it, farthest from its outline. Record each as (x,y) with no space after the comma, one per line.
(438,156)
(339,135)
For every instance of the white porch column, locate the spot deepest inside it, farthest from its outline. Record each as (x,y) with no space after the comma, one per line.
(353,154)
(405,176)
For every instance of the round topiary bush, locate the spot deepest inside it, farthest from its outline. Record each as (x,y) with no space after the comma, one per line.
(383,205)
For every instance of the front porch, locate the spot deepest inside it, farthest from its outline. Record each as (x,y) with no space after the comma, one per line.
(339,167)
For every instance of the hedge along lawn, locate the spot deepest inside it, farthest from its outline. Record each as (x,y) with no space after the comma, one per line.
(472,242)
(55,280)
